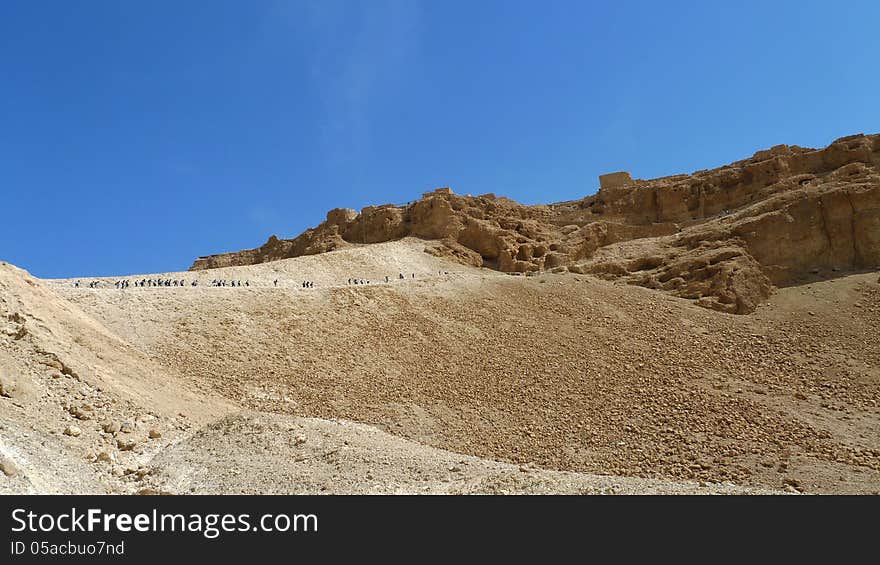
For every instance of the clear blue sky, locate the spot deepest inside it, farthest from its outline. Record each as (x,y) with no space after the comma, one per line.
(135,136)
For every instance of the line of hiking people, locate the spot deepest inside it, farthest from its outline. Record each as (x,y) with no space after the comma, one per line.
(160,282)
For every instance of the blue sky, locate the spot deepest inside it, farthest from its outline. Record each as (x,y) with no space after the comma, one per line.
(135,136)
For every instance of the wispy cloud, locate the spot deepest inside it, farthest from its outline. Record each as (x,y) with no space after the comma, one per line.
(362,51)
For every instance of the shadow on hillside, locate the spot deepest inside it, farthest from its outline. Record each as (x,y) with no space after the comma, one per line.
(822,275)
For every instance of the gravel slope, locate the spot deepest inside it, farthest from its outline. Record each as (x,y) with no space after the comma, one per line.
(565,372)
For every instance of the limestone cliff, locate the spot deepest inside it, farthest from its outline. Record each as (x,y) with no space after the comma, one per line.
(723,237)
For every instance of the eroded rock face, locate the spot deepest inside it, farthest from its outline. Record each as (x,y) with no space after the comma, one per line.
(720,275)
(722,237)
(375,224)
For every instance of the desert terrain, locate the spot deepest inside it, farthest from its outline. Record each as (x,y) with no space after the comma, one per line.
(707,333)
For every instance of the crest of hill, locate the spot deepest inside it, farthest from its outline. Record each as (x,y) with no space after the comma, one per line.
(723,237)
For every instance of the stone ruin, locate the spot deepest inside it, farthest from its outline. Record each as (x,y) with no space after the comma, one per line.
(611,181)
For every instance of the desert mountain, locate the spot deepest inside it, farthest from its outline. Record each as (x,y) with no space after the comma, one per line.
(597,369)
(723,237)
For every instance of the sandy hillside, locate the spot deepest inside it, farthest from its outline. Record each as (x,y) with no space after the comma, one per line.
(568,376)
(705,332)
(64,380)
(89,405)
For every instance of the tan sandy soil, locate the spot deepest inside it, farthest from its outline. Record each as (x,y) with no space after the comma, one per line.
(263,453)
(559,372)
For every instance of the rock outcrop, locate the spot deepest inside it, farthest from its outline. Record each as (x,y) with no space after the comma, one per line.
(723,237)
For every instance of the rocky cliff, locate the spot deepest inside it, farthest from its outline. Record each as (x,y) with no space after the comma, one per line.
(722,237)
